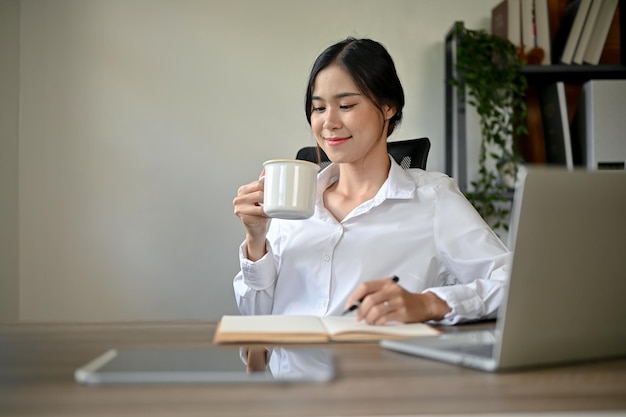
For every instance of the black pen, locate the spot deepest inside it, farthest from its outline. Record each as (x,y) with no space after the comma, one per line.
(356,304)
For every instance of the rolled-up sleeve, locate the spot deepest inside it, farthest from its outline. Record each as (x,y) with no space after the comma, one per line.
(476,259)
(254,284)
(479,299)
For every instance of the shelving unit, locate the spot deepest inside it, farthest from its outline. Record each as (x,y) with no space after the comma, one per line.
(572,74)
(455,115)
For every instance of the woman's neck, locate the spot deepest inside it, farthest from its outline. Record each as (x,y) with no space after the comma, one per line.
(357,183)
(359,179)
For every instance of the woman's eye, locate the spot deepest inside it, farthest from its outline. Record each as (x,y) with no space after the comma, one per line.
(318,109)
(346,106)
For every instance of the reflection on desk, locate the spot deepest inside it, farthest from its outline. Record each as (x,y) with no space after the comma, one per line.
(296,363)
(202,366)
(37,361)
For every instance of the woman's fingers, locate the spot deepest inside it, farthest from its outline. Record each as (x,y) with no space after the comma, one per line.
(365,289)
(248,204)
(380,298)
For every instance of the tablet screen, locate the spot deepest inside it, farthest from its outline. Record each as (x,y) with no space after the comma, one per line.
(204,366)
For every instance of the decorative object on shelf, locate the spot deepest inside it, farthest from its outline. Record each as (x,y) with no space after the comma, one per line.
(490,68)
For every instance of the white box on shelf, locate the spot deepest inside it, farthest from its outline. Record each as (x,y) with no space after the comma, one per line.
(603,124)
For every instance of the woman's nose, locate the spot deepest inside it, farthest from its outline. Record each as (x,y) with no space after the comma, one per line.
(331,119)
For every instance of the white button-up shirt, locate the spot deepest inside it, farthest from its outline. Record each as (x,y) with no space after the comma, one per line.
(419,226)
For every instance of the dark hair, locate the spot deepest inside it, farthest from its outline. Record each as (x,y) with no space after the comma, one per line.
(372,70)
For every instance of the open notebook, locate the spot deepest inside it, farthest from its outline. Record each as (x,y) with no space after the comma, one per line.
(310,329)
(565,299)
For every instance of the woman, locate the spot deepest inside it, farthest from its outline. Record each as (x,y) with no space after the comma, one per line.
(373,220)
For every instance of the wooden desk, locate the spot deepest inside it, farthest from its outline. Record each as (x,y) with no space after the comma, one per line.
(37,362)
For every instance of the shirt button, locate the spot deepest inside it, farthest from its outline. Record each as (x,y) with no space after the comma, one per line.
(326,258)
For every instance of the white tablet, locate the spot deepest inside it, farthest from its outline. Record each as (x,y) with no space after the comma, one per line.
(190,366)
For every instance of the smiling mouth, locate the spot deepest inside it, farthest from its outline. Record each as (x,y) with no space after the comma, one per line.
(336,141)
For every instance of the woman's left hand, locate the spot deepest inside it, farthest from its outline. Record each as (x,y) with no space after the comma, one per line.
(385,301)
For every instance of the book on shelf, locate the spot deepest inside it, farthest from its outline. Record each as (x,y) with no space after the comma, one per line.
(506,21)
(561,20)
(578,135)
(556,11)
(310,329)
(531,145)
(588,28)
(527,24)
(611,53)
(556,125)
(542,29)
(600,31)
(575,29)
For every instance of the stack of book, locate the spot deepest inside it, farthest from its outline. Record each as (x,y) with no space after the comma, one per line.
(525,23)
(562,31)
(567,32)
(588,135)
(592,20)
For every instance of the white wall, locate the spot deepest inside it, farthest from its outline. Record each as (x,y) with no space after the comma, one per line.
(139,120)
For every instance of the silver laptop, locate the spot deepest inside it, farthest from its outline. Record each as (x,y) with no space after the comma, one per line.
(566,298)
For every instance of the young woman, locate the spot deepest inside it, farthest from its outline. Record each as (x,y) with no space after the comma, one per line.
(373,220)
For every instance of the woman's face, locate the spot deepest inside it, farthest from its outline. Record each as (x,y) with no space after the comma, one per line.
(346,124)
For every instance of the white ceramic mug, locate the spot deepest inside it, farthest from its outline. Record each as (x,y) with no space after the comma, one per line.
(290,188)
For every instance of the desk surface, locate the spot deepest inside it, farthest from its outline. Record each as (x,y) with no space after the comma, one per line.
(37,363)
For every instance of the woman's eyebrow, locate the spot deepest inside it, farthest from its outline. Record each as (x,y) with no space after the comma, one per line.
(337,96)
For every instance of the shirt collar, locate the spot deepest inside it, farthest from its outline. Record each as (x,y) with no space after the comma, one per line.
(398,185)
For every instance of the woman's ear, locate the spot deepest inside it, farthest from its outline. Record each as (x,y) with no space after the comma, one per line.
(389,111)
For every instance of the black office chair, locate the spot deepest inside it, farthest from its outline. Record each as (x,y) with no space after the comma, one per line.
(412,153)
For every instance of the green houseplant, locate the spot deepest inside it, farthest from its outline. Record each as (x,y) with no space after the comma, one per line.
(489,69)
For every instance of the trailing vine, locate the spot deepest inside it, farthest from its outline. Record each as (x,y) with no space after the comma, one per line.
(489,69)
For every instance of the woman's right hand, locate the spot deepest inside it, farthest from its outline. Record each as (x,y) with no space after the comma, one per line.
(249,208)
